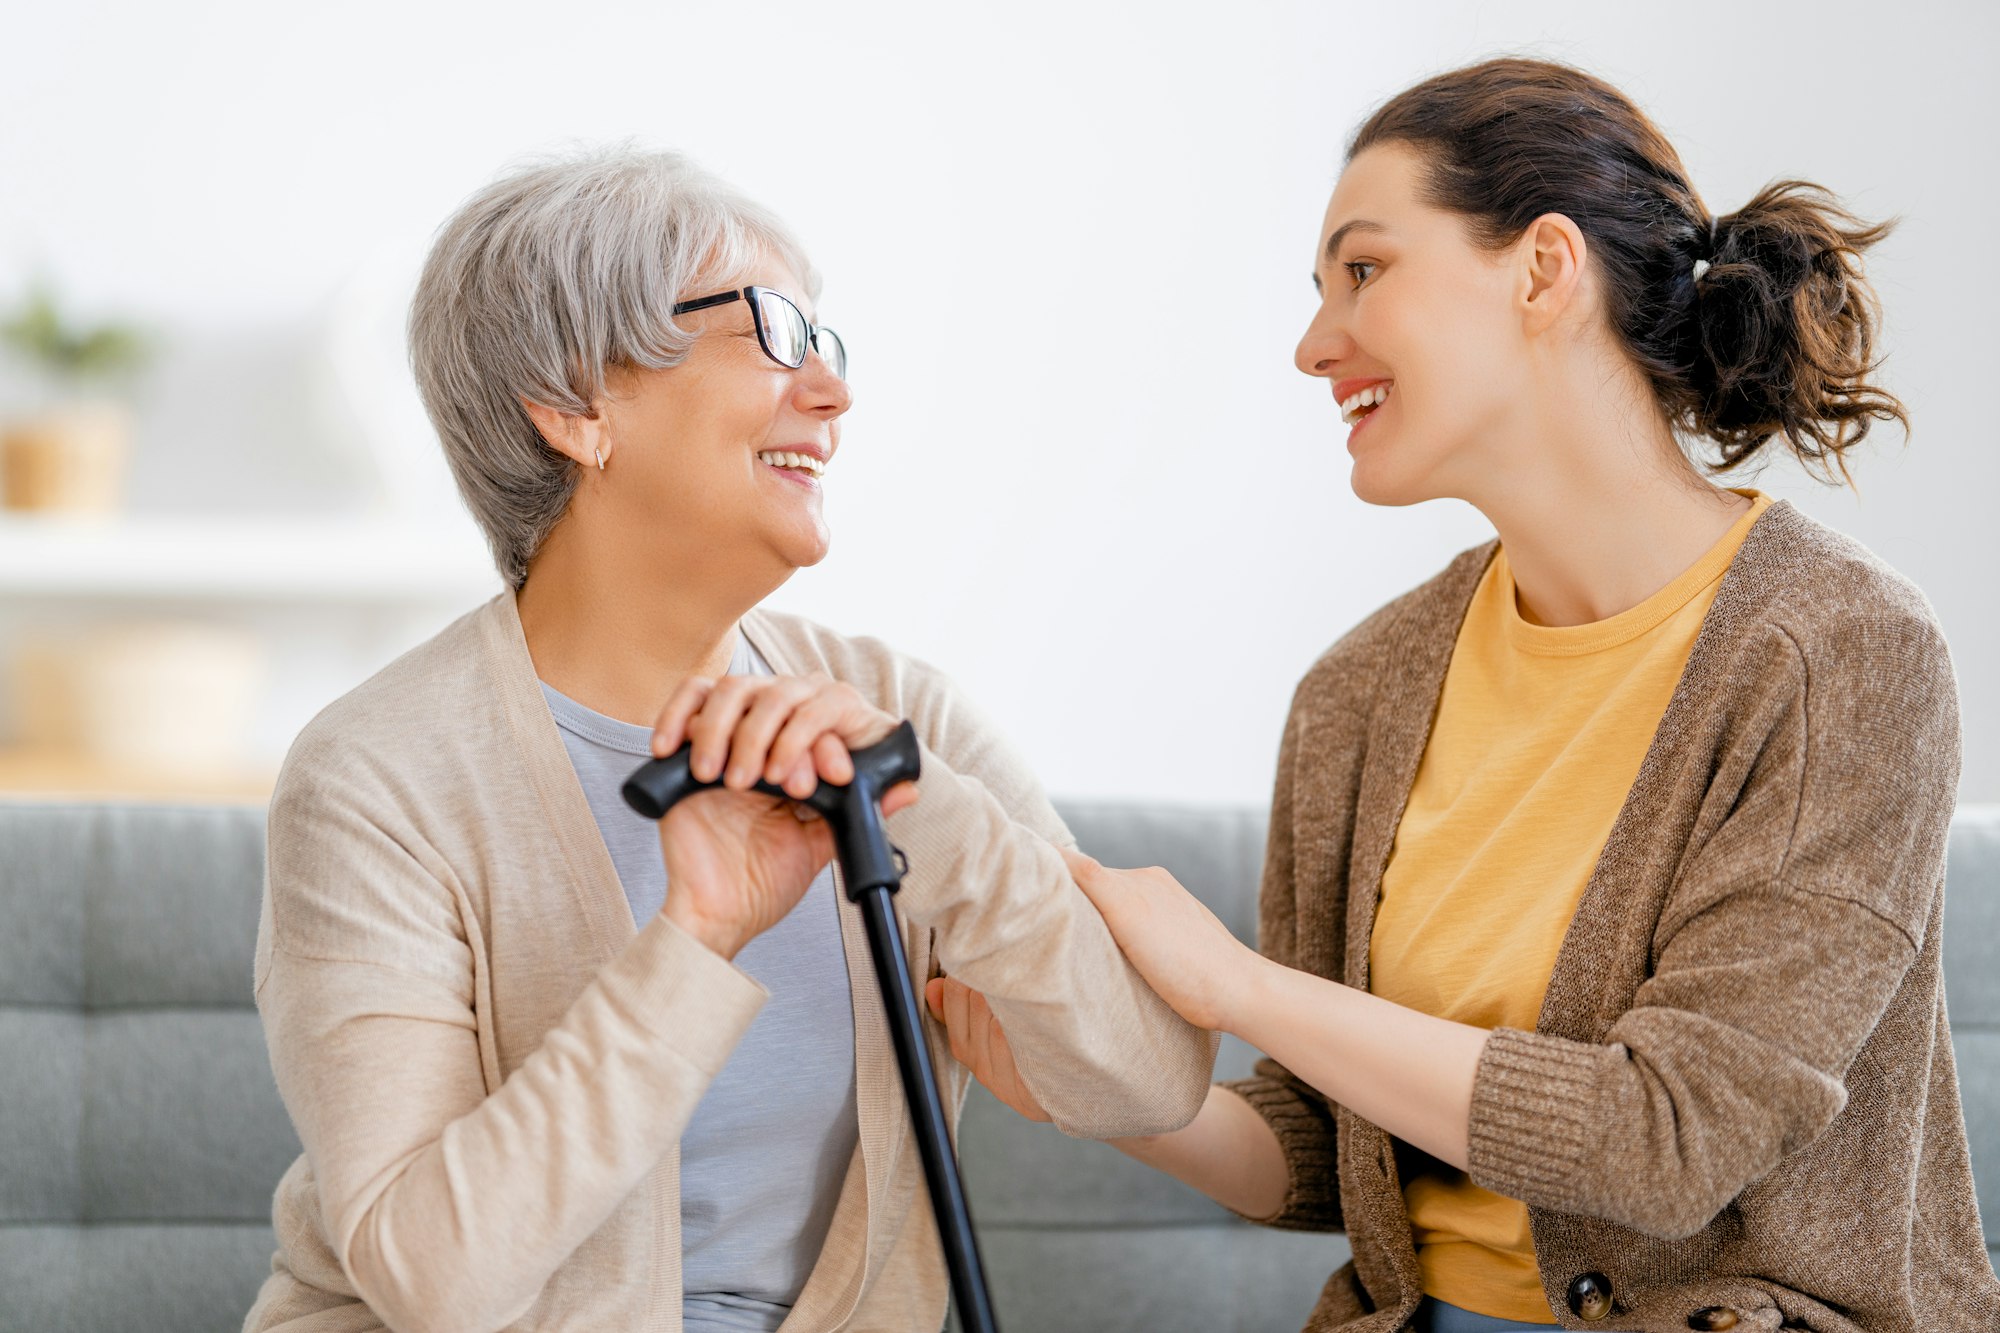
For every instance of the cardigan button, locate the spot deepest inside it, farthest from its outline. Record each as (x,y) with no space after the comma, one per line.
(1590,1296)
(1713,1320)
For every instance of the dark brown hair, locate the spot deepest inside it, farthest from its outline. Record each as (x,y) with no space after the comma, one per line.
(1776,337)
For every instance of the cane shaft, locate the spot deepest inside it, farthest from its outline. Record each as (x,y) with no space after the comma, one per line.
(954,1218)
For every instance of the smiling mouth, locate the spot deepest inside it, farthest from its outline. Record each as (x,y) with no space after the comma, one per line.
(791,462)
(1364,401)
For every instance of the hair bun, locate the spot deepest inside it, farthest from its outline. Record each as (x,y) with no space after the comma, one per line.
(1785,329)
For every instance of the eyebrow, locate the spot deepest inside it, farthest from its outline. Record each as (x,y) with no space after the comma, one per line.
(1340,234)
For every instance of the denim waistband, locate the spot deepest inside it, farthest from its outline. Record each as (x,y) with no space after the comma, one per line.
(1435,1316)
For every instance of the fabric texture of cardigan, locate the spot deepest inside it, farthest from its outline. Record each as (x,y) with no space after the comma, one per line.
(489,1066)
(1738,1107)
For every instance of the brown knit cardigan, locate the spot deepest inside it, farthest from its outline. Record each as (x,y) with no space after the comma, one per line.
(1738,1108)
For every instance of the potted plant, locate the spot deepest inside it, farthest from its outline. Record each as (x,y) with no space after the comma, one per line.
(70,455)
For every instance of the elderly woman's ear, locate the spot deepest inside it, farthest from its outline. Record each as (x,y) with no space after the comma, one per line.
(587,440)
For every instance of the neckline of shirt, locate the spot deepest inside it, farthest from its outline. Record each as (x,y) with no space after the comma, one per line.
(1600,635)
(617,734)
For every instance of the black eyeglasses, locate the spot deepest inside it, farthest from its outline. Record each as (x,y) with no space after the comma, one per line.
(782,330)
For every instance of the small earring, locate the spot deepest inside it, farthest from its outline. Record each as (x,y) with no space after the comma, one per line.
(600,458)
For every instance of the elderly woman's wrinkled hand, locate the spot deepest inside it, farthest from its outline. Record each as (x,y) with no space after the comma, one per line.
(791,731)
(1180,947)
(738,860)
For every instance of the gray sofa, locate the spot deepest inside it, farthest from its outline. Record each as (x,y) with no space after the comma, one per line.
(140,1135)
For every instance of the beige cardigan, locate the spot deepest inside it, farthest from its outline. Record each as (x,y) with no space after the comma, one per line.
(1738,1107)
(490,1069)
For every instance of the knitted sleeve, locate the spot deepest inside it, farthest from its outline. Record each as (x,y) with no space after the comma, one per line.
(1297,1113)
(1789,931)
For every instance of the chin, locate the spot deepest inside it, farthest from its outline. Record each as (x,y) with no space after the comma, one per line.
(1375,484)
(1405,471)
(804,550)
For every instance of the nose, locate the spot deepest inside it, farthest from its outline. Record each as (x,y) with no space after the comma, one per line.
(1324,344)
(818,390)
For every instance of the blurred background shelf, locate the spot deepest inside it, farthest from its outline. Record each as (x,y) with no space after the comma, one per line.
(231,559)
(171,657)
(58,774)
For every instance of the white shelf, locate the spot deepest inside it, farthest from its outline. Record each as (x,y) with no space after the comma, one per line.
(61,774)
(226,558)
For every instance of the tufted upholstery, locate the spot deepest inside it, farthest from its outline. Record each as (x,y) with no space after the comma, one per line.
(140,1131)
(141,1136)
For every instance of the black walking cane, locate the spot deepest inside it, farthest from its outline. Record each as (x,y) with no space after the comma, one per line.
(873,870)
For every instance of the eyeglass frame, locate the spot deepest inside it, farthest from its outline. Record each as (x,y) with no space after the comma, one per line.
(750,295)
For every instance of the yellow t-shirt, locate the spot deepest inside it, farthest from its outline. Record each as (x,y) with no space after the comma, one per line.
(1539,735)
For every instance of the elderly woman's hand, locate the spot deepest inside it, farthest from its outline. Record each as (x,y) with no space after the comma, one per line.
(1180,947)
(738,860)
(787,730)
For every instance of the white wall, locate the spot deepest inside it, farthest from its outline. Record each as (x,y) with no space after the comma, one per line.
(1068,245)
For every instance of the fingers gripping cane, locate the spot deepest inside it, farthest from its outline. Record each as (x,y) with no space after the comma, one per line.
(873,871)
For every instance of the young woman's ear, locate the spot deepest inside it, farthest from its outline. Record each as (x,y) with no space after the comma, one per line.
(583,439)
(1552,254)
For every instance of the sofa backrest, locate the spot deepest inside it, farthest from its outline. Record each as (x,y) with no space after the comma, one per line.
(141,1135)
(140,1132)
(1972,993)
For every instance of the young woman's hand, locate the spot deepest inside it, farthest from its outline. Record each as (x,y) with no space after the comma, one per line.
(1180,947)
(980,1044)
(738,860)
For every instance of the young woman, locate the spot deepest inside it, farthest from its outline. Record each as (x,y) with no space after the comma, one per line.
(1600,923)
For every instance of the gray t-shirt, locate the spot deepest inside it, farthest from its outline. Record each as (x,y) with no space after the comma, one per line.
(763,1159)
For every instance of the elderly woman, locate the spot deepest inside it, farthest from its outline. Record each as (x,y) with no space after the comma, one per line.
(553,1067)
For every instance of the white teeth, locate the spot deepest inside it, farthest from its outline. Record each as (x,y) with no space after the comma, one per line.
(782,458)
(1372,396)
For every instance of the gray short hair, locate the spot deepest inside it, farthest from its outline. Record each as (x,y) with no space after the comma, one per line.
(543,281)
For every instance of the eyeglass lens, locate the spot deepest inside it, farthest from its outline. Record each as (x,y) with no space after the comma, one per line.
(785,329)
(831,350)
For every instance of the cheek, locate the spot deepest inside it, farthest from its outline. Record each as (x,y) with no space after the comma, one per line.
(721,438)
(1456,357)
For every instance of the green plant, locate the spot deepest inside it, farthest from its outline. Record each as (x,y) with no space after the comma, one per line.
(39,331)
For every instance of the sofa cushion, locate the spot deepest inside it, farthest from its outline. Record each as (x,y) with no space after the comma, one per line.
(140,1133)
(160,1278)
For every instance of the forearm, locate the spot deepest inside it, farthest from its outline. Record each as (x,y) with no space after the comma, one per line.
(1405,1071)
(1102,1052)
(384,1082)
(1227,1152)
